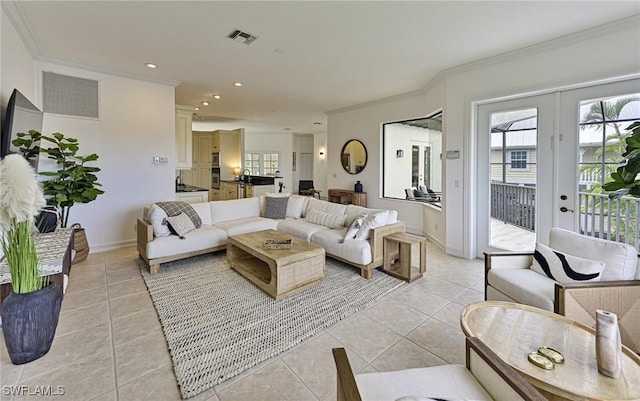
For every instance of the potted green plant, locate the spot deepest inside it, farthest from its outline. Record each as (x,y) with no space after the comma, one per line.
(73,182)
(624,179)
(30,312)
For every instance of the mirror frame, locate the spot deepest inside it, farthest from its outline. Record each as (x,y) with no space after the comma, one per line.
(366,156)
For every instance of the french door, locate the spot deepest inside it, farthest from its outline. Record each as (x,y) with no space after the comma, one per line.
(542,161)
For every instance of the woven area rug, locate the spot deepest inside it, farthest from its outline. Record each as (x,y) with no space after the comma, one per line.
(217,324)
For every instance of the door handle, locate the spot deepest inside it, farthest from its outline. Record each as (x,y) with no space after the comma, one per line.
(565,210)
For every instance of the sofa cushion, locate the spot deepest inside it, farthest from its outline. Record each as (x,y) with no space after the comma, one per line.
(354,211)
(204,211)
(201,238)
(325,219)
(234,209)
(620,259)
(371,221)
(325,207)
(247,225)
(352,250)
(448,382)
(524,285)
(300,228)
(565,268)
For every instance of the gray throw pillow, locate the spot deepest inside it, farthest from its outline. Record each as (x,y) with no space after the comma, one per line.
(181,224)
(275,208)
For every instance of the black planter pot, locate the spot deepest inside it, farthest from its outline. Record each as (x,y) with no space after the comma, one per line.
(29,323)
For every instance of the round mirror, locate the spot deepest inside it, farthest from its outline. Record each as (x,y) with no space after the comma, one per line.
(353,156)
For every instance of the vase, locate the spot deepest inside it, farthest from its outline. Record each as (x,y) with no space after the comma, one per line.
(29,322)
(608,344)
(358,187)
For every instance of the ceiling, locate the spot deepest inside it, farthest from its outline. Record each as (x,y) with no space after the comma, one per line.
(309,58)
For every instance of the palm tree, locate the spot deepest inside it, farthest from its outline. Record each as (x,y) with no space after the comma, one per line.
(607,113)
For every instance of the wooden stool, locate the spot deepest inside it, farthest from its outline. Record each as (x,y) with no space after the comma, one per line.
(398,252)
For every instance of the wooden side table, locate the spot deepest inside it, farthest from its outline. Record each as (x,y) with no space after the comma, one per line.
(405,256)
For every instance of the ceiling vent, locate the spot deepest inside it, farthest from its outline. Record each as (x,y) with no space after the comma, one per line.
(242,37)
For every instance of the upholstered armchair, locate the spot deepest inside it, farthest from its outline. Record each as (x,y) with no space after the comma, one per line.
(509,276)
(485,377)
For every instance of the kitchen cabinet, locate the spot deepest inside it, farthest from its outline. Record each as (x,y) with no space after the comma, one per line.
(193,197)
(215,142)
(214,195)
(228,191)
(203,148)
(184,137)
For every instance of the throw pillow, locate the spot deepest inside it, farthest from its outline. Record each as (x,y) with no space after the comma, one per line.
(373,220)
(325,219)
(294,207)
(565,268)
(275,207)
(353,228)
(181,224)
(156,216)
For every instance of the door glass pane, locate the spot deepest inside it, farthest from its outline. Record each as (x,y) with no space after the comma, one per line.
(602,133)
(427,166)
(513,179)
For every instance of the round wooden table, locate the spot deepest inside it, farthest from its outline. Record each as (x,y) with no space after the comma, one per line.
(512,331)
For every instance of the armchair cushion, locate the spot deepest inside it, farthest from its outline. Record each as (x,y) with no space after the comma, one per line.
(524,285)
(620,259)
(565,268)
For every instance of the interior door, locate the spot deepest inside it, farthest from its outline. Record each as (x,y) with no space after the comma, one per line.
(515,173)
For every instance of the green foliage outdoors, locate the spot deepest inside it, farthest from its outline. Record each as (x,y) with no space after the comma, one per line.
(74,182)
(624,179)
(20,250)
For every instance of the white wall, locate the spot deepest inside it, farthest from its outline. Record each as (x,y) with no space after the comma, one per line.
(301,144)
(137,122)
(16,64)
(320,165)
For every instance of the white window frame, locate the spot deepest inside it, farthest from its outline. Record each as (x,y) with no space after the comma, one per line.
(526,160)
(262,155)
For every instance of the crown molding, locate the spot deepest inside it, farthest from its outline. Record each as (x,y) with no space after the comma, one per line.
(107,71)
(580,36)
(16,16)
(416,92)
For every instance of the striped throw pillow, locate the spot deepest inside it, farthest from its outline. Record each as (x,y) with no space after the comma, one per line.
(325,219)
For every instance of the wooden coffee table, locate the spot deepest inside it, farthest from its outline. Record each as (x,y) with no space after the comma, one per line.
(278,272)
(513,330)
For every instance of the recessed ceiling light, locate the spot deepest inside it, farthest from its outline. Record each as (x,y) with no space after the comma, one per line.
(216,96)
(317,123)
(151,65)
(205,103)
(197,108)
(237,83)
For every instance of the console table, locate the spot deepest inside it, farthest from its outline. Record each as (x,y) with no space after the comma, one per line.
(513,330)
(54,253)
(346,197)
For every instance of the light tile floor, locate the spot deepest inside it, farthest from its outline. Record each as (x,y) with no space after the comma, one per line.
(109,344)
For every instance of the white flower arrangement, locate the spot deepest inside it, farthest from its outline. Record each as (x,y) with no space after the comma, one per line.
(20,200)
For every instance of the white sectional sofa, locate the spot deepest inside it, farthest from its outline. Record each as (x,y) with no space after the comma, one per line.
(222,219)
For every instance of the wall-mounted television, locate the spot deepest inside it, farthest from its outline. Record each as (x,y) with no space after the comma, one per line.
(21,116)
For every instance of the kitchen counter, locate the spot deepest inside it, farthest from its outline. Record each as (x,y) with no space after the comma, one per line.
(189,188)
